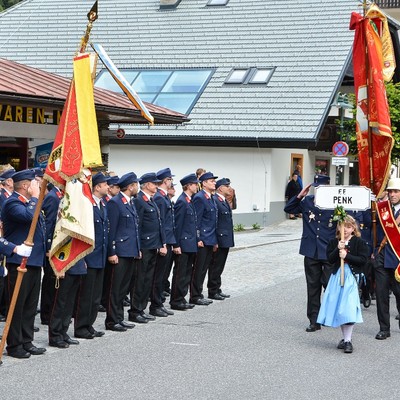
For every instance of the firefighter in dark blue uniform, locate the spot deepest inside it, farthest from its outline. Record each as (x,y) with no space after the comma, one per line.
(17,214)
(318,229)
(123,248)
(152,243)
(91,285)
(185,249)
(225,239)
(206,212)
(164,204)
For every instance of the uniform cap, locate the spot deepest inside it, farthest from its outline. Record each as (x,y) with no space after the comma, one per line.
(127,179)
(8,174)
(206,176)
(191,178)
(98,178)
(149,177)
(26,174)
(222,182)
(164,173)
(321,180)
(113,180)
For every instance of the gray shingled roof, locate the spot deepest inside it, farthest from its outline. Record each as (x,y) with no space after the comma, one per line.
(307,41)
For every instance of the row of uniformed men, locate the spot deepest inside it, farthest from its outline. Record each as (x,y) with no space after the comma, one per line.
(138,231)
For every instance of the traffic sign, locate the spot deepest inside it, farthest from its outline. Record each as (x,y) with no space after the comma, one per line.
(349,197)
(340,161)
(340,149)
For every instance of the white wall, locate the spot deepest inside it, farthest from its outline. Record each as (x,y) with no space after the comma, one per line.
(245,167)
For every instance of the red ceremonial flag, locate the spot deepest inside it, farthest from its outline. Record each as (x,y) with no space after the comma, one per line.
(76,146)
(373,126)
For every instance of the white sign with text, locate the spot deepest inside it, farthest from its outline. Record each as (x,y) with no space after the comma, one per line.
(349,197)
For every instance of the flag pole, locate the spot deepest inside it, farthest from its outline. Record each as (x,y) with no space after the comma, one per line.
(370,150)
(92,16)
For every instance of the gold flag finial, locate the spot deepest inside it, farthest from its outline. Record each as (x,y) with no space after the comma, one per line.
(92,16)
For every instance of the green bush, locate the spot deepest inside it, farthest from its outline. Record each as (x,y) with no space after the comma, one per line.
(238,227)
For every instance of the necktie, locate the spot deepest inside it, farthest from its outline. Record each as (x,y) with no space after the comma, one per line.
(101,209)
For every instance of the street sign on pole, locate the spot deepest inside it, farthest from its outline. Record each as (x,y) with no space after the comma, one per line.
(349,197)
(340,149)
(340,161)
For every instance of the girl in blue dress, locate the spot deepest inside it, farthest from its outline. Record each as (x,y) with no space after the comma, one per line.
(341,304)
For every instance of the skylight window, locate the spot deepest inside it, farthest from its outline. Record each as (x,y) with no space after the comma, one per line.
(261,75)
(237,76)
(177,90)
(217,2)
(250,75)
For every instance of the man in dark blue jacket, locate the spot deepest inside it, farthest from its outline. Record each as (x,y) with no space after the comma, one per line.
(17,214)
(152,243)
(91,284)
(318,229)
(185,249)
(206,211)
(224,237)
(164,204)
(123,249)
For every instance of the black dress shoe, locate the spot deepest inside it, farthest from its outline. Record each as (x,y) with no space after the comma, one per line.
(165,293)
(201,302)
(85,336)
(139,319)
(20,353)
(71,341)
(36,329)
(116,328)
(179,307)
(397,317)
(189,306)
(2,318)
(98,333)
(340,345)
(61,344)
(313,327)
(224,295)
(169,312)
(158,312)
(35,351)
(101,308)
(348,347)
(382,335)
(216,296)
(127,325)
(148,316)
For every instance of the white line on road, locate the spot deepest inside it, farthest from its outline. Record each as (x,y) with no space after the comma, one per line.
(186,344)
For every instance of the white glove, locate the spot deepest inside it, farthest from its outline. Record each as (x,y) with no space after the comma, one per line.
(23,250)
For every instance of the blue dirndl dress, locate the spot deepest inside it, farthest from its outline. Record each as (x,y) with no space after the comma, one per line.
(340,304)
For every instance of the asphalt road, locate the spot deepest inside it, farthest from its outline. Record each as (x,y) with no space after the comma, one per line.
(251,346)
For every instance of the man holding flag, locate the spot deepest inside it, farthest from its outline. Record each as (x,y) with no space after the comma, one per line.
(17,215)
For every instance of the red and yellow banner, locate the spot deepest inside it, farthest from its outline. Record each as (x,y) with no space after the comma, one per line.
(373,126)
(76,147)
(76,144)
